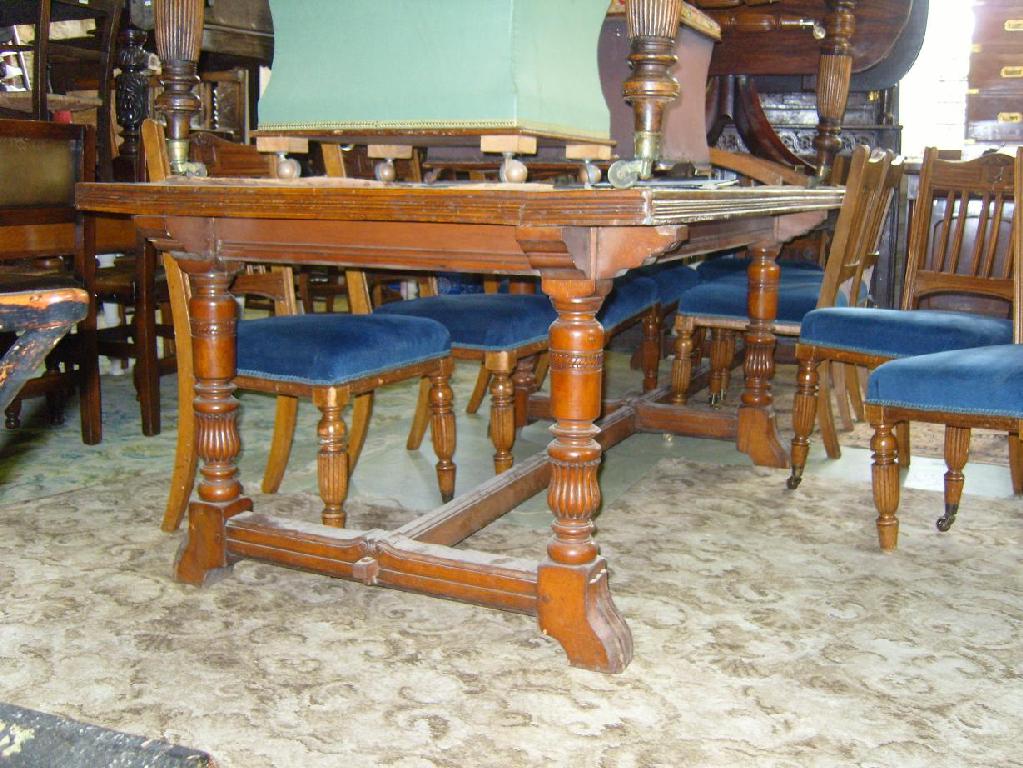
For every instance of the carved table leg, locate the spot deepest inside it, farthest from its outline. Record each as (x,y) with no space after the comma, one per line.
(758,432)
(214,319)
(574,603)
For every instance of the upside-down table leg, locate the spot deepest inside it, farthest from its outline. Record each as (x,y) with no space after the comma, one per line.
(574,603)
(214,316)
(758,432)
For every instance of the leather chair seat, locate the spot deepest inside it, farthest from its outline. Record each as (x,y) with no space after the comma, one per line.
(901,333)
(330,350)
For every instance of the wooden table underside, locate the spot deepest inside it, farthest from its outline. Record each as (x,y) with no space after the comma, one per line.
(576,241)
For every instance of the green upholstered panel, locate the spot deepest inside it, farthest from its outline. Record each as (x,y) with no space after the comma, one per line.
(413,64)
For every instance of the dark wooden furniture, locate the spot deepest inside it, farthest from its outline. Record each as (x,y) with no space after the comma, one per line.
(39,165)
(994,115)
(961,269)
(576,240)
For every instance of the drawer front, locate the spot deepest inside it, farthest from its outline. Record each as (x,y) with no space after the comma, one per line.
(994,118)
(998,26)
(992,72)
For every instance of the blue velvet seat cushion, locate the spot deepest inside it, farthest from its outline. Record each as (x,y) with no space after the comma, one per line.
(982,380)
(900,333)
(711,269)
(672,280)
(329,349)
(483,321)
(726,297)
(632,294)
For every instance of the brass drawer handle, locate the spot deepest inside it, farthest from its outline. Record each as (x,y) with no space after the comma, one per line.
(1013,25)
(1010,117)
(1012,72)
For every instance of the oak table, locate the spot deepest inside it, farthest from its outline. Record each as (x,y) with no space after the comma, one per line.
(576,240)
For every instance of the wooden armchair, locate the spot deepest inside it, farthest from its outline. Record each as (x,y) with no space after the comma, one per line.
(40,163)
(965,388)
(958,289)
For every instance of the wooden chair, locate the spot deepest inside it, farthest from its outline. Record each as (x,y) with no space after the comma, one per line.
(960,266)
(40,163)
(720,304)
(40,311)
(963,389)
(283,355)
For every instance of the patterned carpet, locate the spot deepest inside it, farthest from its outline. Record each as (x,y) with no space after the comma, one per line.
(769,631)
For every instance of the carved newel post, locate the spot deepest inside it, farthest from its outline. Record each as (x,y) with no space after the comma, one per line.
(178,37)
(130,99)
(833,74)
(652,27)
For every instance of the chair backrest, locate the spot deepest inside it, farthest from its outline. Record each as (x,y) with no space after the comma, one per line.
(870,184)
(961,252)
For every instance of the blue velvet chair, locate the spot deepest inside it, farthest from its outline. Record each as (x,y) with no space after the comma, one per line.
(980,387)
(720,303)
(508,331)
(330,358)
(958,290)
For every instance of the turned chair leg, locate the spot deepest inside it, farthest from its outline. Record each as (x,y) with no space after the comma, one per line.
(957,453)
(854,390)
(720,362)
(524,384)
(285,417)
(902,438)
(502,409)
(442,428)
(840,387)
(479,390)
(651,347)
(1016,462)
(332,457)
(884,476)
(682,365)
(362,410)
(804,409)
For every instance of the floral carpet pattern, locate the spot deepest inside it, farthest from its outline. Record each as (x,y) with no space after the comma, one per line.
(769,631)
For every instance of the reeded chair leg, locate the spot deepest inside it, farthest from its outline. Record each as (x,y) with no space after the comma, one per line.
(479,390)
(1016,462)
(332,457)
(442,429)
(884,476)
(502,409)
(720,362)
(804,409)
(957,453)
(682,365)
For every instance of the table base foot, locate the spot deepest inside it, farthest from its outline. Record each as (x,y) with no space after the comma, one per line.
(758,438)
(205,550)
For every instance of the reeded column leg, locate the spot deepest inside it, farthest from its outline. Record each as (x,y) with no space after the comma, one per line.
(884,475)
(651,347)
(682,365)
(957,453)
(804,409)
(758,432)
(502,409)
(574,602)
(442,428)
(214,316)
(332,456)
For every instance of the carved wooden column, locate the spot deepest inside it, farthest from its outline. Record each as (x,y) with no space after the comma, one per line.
(214,315)
(575,605)
(758,434)
(652,26)
(833,74)
(178,37)
(130,98)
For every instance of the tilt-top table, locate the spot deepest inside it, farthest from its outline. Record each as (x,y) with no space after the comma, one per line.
(576,240)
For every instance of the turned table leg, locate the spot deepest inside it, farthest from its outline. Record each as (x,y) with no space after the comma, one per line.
(574,603)
(758,432)
(214,316)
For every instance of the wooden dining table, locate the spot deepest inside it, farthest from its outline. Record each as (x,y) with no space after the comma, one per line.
(576,240)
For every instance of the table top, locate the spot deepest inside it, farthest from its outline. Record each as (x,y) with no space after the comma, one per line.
(324,198)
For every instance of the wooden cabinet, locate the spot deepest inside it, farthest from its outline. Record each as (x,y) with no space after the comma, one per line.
(994,103)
